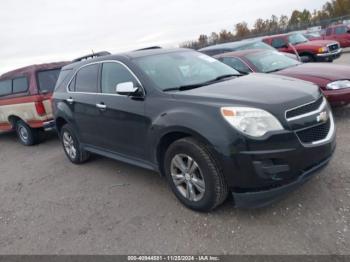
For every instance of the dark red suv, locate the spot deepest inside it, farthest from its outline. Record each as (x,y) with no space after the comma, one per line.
(315,51)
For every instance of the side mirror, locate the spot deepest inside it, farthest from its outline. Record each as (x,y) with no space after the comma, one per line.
(126,88)
(348,31)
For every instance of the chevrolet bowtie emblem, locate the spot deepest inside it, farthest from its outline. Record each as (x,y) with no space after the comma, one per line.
(322,117)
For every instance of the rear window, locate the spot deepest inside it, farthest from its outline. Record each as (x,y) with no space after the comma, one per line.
(5,87)
(47,80)
(20,85)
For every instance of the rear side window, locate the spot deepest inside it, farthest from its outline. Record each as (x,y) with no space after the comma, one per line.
(20,85)
(86,79)
(47,79)
(114,74)
(5,87)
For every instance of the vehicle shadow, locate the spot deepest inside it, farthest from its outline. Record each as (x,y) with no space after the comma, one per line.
(341,112)
(44,136)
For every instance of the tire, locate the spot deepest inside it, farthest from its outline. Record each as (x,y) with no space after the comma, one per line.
(203,188)
(311,58)
(71,146)
(26,135)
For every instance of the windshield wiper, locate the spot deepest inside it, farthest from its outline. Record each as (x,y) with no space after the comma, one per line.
(275,70)
(192,86)
(223,77)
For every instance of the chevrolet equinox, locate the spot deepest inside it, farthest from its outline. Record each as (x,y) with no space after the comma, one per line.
(196,121)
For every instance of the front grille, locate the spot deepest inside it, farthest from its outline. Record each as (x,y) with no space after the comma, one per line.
(333,47)
(315,133)
(304,109)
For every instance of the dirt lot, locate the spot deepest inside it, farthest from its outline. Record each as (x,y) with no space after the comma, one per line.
(49,206)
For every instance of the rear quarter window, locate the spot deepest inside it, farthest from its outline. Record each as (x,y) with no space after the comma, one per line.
(47,80)
(5,87)
(20,85)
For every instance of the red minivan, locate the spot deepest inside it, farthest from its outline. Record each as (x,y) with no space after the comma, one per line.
(25,100)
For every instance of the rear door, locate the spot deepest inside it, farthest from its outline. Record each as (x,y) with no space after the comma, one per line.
(82,99)
(121,124)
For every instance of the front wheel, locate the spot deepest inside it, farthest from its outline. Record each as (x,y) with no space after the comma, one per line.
(193,175)
(71,146)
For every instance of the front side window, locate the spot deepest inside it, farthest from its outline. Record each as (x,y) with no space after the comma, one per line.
(341,30)
(267,62)
(237,64)
(114,74)
(295,39)
(86,79)
(47,80)
(20,85)
(5,87)
(178,69)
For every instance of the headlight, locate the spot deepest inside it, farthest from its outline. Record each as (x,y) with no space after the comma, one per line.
(323,50)
(339,84)
(251,121)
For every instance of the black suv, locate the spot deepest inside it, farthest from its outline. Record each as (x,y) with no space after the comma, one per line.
(195,120)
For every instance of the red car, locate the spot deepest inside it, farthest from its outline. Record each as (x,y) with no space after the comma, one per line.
(315,51)
(340,33)
(334,80)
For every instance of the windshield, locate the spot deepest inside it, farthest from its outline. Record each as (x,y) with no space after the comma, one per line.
(295,39)
(47,80)
(256,45)
(178,69)
(267,62)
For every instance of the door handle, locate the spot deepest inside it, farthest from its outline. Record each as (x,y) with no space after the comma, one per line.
(70,100)
(101,106)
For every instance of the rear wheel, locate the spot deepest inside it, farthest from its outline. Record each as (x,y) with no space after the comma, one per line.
(27,135)
(193,175)
(71,146)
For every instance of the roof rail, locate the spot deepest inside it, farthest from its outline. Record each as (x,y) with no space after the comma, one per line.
(148,48)
(91,56)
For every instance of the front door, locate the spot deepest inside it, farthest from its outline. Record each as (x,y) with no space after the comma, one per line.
(122,126)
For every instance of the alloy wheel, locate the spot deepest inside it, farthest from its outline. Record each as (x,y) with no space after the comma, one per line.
(187,177)
(69,146)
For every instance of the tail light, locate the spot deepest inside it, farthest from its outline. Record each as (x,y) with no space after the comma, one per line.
(40,109)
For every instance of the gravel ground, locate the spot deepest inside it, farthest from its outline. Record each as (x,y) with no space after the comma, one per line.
(49,206)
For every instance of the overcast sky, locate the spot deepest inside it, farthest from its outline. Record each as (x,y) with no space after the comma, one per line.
(37,31)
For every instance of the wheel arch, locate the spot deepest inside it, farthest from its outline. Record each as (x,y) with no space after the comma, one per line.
(170,136)
(60,122)
(13,119)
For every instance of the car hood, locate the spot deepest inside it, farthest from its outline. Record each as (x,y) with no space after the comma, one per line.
(316,43)
(270,92)
(331,72)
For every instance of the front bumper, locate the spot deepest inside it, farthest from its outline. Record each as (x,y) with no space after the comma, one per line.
(266,197)
(271,167)
(330,56)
